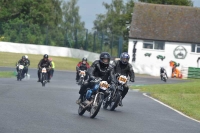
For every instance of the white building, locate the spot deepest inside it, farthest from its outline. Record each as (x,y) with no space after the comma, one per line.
(172,32)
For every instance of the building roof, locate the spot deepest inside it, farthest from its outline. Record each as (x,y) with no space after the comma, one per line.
(165,22)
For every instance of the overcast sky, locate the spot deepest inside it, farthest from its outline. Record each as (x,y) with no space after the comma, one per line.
(89,9)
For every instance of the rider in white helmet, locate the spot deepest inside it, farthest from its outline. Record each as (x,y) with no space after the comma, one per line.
(28,63)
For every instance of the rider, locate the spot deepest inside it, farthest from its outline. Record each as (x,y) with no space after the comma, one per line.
(44,63)
(23,62)
(123,67)
(82,65)
(53,67)
(28,64)
(99,69)
(162,71)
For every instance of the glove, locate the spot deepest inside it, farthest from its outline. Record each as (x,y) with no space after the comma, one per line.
(132,80)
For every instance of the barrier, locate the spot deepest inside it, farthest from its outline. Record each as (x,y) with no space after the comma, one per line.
(50,50)
(194,72)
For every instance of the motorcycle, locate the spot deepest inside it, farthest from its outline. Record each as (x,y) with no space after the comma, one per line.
(44,77)
(94,98)
(114,96)
(20,74)
(164,77)
(82,75)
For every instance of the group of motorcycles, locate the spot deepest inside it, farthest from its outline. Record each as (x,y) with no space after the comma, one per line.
(110,98)
(43,75)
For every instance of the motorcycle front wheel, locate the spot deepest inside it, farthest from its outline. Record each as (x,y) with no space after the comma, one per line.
(115,100)
(96,105)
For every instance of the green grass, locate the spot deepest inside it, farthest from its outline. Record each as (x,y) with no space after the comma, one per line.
(6,74)
(184,97)
(61,63)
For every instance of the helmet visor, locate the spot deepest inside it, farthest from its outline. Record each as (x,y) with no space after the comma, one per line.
(125,60)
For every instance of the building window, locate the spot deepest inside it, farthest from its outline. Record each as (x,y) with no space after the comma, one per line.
(195,48)
(158,45)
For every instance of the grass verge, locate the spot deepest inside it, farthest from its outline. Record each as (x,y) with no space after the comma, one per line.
(61,63)
(184,97)
(6,74)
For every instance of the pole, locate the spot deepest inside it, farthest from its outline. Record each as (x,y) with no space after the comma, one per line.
(94,45)
(86,39)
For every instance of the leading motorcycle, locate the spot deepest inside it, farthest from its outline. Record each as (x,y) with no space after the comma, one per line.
(114,95)
(94,98)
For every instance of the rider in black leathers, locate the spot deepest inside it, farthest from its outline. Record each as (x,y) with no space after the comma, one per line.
(99,69)
(23,62)
(162,71)
(45,62)
(122,67)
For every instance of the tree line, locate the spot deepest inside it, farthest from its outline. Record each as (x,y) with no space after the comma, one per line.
(58,23)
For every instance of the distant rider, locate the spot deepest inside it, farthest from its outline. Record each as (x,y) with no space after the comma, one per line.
(162,71)
(99,69)
(23,62)
(53,67)
(82,65)
(28,63)
(123,67)
(44,63)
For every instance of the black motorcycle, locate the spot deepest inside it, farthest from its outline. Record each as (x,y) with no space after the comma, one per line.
(82,74)
(20,74)
(114,96)
(163,77)
(44,76)
(95,96)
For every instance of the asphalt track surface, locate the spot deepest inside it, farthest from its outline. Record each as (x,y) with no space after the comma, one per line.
(27,107)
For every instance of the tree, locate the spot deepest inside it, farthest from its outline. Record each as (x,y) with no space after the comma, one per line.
(170,2)
(28,21)
(118,13)
(72,23)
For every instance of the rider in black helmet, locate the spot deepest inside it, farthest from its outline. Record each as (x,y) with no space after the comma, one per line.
(123,67)
(45,62)
(99,68)
(162,71)
(23,62)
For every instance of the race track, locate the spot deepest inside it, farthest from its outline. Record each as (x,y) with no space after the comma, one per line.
(27,107)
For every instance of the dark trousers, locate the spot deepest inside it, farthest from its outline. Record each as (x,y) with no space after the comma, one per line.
(23,71)
(125,91)
(52,71)
(48,73)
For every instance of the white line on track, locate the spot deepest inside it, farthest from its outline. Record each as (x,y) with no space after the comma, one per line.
(171,108)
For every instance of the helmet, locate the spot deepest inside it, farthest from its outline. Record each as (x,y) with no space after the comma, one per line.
(84,59)
(50,59)
(104,55)
(46,56)
(26,56)
(162,68)
(124,58)
(23,57)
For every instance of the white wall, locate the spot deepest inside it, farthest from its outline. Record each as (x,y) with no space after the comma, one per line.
(151,65)
(50,50)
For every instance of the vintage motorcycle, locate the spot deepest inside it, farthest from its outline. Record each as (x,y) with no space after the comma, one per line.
(44,76)
(20,74)
(164,77)
(82,74)
(114,96)
(93,99)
